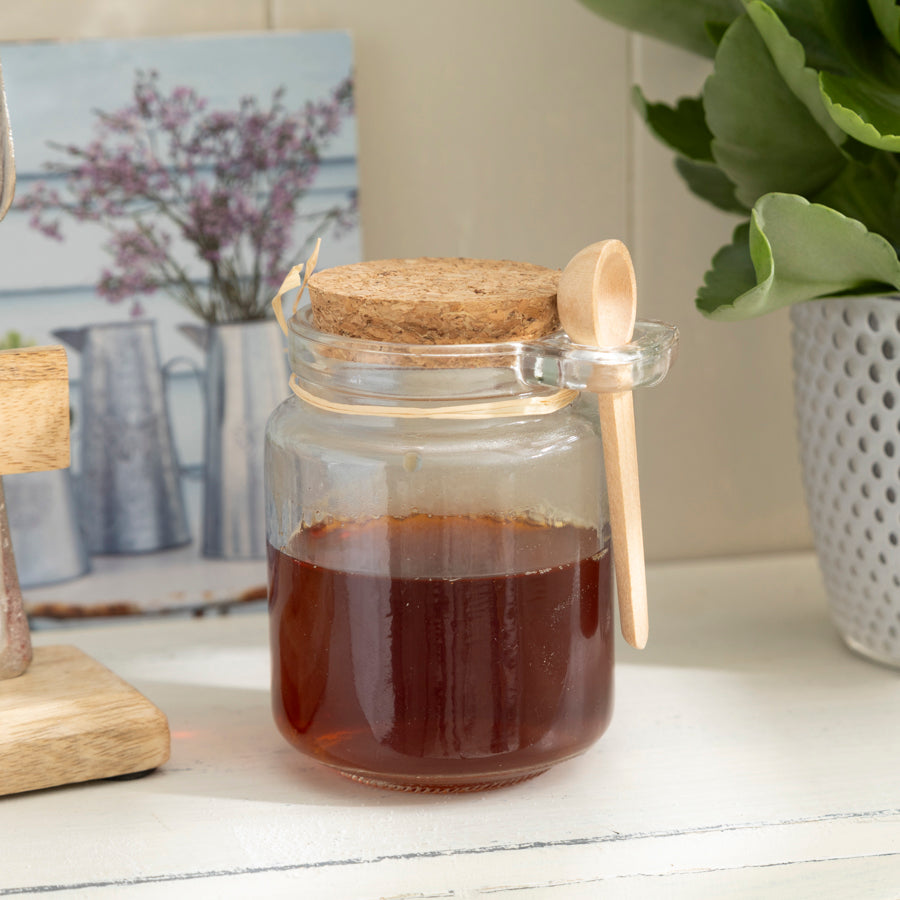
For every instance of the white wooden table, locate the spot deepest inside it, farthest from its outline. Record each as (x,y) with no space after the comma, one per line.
(750,756)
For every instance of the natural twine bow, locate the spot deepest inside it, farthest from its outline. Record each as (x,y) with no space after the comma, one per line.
(296,278)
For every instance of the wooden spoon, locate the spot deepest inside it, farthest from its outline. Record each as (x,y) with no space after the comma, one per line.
(597,307)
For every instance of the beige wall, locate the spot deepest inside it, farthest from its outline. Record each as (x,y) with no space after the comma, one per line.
(719,431)
(502,128)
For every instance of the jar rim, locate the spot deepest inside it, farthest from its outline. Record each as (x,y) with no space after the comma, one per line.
(643,361)
(364,349)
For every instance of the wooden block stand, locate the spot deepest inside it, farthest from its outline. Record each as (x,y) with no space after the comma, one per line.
(65,718)
(69,719)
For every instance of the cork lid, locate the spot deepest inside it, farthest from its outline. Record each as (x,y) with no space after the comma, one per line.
(436,301)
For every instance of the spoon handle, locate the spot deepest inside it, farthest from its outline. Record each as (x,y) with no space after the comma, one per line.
(620,460)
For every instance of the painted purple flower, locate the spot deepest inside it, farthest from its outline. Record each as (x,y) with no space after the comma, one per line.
(165,173)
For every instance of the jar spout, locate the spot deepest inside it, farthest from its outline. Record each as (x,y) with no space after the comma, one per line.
(555,361)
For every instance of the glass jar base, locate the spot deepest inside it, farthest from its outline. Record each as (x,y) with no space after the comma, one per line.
(434,786)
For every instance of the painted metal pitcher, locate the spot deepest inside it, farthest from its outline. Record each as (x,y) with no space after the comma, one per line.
(130,490)
(246,377)
(44,526)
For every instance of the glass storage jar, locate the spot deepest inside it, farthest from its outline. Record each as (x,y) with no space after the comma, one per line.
(440,584)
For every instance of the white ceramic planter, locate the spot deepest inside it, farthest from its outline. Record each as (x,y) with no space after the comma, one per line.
(847,397)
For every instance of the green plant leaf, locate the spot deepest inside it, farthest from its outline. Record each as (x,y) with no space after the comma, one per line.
(801,251)
(789,58)
(828,30)
(732,273)
(765,138)
(716,31)
(866,111)
(866,192)
(711,184)
(859,71)
(682,127)
(679,22)
(13,340)
(887,16)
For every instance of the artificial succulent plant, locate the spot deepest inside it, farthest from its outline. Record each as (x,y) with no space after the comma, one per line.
(796,130)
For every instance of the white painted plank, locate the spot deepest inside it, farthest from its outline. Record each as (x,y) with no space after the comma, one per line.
(744,740)
(858,859)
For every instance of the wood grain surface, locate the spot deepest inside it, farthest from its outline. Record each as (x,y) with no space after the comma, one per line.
(70,719)
(34,410)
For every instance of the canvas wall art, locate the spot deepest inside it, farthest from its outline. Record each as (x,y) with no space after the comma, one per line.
(164,189)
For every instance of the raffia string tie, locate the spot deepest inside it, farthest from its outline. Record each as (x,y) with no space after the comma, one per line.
(296,278)
(492,409)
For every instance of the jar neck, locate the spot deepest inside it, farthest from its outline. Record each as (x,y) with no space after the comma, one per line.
(351,371)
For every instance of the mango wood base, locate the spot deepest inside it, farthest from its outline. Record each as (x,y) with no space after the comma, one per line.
(70,719)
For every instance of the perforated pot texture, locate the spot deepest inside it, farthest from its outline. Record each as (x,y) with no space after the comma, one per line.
(847,398)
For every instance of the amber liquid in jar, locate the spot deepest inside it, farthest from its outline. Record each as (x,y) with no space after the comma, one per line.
(421,682)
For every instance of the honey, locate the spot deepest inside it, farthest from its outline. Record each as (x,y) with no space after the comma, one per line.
(395,674)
